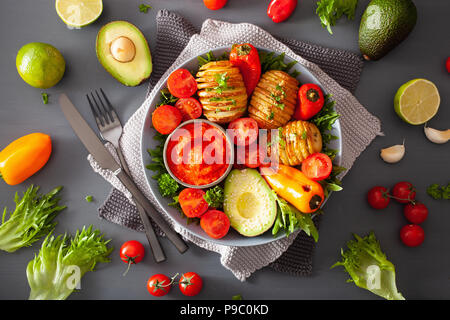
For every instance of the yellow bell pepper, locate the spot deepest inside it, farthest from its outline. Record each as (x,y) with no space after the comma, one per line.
(294,187)
(24,157)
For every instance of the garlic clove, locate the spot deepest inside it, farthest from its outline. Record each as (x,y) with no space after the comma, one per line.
(393,154)
(437,136)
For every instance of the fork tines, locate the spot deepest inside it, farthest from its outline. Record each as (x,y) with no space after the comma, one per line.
(102,109)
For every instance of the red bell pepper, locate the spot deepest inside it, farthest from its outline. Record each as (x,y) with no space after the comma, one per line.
(246,58)
(280,10)
(310,101)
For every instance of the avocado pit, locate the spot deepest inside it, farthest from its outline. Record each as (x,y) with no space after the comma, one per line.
(123,49)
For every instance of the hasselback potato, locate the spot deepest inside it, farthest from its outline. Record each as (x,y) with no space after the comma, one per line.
(274,99)
(221,91)
(296,141)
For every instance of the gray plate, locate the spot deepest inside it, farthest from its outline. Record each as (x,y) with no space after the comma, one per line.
(232,238)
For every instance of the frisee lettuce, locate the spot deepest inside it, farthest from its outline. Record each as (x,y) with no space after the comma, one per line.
(329,11)
(52,273)
(363,253)
(272,61)
(31,220)
(290,219)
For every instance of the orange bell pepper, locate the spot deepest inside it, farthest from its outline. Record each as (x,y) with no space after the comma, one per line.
(294,187)
(24,157)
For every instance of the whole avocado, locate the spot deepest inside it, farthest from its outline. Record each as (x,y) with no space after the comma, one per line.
(384,24)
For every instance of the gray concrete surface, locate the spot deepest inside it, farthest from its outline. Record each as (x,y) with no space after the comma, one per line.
(422,273)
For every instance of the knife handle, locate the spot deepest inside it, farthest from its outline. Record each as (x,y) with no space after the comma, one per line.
(174,237)
(157,251)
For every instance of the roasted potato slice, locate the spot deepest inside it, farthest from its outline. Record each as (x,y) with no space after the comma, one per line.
(298,140)
(274,99)
(221,91)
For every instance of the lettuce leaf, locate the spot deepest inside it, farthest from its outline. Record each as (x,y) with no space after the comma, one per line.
(31,220)
(329,11)
(290,219)
(366,252)
(52,274)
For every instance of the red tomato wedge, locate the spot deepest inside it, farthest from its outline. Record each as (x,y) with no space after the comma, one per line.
(166,118)
(244,131)
(215,223)
(181,83)
(190,108)
(317,166)
(192,202)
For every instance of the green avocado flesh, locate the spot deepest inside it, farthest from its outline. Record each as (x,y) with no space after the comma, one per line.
(384,24)
(130,73)
(249,202)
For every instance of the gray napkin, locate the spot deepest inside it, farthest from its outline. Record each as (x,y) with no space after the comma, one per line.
(173,34)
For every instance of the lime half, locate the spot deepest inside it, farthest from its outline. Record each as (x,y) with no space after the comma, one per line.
(79,13)
(417,101)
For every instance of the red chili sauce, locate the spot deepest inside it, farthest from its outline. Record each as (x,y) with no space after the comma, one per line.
(198,153)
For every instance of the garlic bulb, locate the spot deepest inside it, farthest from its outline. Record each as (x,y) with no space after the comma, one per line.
(437,136)
(393,154)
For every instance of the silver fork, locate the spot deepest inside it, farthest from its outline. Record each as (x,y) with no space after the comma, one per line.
(111,129)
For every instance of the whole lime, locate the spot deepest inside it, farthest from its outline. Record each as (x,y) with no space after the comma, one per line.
(40,65)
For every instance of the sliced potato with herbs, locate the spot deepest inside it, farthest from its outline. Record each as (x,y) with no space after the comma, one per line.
(297,140)
(221,91)
(274,99)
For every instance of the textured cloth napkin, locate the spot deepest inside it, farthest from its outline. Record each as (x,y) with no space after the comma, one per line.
(177,41)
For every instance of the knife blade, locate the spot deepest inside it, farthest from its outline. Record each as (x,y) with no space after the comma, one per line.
(104,158)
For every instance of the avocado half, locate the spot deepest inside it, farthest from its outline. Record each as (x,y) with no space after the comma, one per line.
(384,24)
(123,51)
(249,202)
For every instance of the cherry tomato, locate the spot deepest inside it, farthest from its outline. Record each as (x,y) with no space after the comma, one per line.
(181,83)
(190,108)
(246,58)
(215,4)
(190,284)
(415,212)
(447,64)
(159,285)
(166,118)
(215,223)
(412,235)
(248,155)
(317,166)
(280,10)
(404,192)
(131,252)
(244,131)
(378,197)
(192,202)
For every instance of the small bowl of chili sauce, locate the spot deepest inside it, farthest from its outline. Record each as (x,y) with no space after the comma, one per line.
(198,154)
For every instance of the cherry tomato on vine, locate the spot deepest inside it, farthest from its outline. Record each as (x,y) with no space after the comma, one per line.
(415,212)
(131,252)
(190,284)
(404,192)
(166,118)
(190,108)
(317,166)
(159,285)
(215,4)
(412,235)
(378,197)
(181,83)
